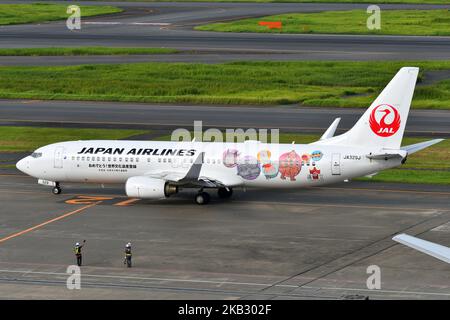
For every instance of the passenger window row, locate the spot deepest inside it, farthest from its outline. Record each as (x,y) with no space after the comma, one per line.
(109,159)
(126,159)
(169,160)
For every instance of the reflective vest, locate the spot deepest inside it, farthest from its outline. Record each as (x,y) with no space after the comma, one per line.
(77,250)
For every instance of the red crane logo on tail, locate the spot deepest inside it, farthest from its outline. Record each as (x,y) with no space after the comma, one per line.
(380,125)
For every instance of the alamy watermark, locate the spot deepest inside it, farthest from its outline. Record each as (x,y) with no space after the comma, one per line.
(374,20)
(74,20)
(74,280)
(373,282)
(231,135)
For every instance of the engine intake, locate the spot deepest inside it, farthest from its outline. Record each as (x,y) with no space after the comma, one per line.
(149,188)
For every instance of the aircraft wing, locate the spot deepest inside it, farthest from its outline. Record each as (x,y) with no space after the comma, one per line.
(192,177)
(166,175)
(433,249)
(221,181)
(180,177)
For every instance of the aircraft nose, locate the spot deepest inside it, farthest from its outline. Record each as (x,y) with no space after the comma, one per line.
(22,165)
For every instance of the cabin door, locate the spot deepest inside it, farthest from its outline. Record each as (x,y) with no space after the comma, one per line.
(59,157)
(336,164)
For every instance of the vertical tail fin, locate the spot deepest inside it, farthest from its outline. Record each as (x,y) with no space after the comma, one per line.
(383,123)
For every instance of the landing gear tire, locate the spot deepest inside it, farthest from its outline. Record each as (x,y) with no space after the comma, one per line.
(202,198)
(223,193)
(56,190)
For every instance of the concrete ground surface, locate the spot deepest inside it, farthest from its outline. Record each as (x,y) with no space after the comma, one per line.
(294,244)
(165,117)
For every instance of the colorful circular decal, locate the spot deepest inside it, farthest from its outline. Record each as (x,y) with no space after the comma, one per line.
(230,158)
(290,165)
(269,169)
(248,168)
(316,155)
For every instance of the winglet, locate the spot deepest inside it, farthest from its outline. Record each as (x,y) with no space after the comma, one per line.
(331,130)
(194,170)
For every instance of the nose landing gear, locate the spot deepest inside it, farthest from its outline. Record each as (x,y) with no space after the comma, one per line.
(56,189)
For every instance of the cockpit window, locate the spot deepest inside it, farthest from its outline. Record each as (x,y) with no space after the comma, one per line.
(36,154)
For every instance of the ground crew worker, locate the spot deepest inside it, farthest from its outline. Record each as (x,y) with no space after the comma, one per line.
(127,259)
(78,252)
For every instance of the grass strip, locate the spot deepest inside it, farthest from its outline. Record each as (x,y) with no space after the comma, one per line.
(309,83)
(393,22)
(21,139)
(42,12)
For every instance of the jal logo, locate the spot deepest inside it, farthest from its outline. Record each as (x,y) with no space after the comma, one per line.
(384,120)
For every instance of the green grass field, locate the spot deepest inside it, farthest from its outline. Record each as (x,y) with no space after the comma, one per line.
(321,84)
(82,51)
(41,12)
(393,22)
(300,1)
(20,139)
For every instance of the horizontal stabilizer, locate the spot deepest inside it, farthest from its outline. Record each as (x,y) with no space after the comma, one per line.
(331,130)
(419,146)
(433,249)
(388,154)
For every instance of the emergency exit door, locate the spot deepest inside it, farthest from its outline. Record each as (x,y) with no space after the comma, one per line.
(336,164)
(59,157)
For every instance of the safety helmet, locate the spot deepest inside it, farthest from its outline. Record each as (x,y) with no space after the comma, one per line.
(128,245)
(77,244)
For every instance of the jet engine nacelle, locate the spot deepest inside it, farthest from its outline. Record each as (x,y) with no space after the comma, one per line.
(149,188)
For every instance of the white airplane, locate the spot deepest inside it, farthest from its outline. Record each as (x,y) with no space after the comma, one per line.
(430,248)
(158,169)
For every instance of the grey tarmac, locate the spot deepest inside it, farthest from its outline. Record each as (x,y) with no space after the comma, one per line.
(140,26)
(296,244)
(164,117)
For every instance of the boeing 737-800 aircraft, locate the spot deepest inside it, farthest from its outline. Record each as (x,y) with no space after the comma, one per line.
(155,170)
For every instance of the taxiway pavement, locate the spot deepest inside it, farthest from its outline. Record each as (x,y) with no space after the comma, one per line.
(296,244)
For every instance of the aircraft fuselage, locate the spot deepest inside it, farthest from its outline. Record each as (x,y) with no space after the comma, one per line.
(241,164)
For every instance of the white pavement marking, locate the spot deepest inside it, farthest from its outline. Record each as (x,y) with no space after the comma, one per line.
(232,283)
(128,23)
(141,278)
(380,291)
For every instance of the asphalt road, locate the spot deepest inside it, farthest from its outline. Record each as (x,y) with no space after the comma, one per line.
(136,28)
(168,117)
(296,244)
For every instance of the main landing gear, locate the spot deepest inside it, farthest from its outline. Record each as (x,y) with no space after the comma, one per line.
(56,189)
(203,197)
(224,193)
